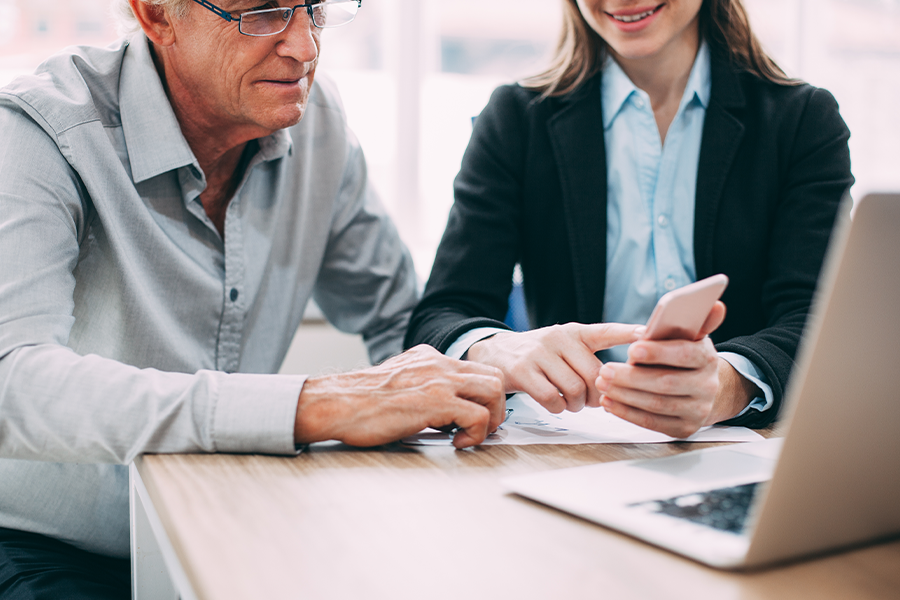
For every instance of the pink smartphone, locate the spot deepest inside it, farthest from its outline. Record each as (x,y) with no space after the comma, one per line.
(680,314)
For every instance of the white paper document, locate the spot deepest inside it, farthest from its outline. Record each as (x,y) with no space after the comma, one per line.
(528,422)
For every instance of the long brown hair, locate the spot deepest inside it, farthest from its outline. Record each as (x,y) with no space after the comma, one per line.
(580,52)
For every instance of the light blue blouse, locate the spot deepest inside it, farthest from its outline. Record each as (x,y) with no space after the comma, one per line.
(650,194)
(651,191)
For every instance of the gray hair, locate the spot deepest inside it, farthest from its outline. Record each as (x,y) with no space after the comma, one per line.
(126,23)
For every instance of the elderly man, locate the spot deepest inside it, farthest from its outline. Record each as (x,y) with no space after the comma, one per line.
(168,205)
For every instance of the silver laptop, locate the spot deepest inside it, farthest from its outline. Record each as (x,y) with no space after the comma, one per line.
(832,482)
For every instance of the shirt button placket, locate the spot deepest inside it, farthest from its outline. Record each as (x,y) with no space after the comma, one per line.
(231,330)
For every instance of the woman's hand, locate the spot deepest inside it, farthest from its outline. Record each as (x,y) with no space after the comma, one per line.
(675,386)
(555,365)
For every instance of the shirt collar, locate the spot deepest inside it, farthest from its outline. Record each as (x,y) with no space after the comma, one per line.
(617,88)
(152,133)
(699,83)
(153,136)
(275,146)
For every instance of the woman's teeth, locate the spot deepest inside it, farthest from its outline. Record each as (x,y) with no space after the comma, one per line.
(633,18)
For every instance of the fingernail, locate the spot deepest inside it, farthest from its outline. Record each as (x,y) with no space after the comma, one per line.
(638,353)
(607,373)
(640,331)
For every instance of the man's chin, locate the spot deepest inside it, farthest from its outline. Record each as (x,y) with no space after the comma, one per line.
(282,117)
(282,106)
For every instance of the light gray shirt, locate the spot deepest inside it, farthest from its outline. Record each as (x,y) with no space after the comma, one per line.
(127,324)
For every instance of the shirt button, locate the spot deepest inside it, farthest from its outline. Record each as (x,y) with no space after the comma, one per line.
(669,284)
(663,221)
(639,102)
(234,294)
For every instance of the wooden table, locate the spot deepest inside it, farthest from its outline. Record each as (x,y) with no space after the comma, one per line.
(398,523)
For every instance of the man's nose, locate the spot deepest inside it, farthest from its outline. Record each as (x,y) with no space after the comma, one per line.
(300,39)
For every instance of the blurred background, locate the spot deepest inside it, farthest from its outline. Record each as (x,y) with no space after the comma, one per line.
(413,73)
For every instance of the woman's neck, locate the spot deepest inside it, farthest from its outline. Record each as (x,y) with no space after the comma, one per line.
(664,77)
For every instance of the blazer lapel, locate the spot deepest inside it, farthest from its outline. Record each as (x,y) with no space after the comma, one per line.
(576,133)
(723,132)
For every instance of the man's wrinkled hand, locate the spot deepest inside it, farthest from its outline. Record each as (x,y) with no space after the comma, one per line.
(417,389)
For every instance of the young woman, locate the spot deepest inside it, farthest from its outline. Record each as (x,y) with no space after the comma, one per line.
(662,146)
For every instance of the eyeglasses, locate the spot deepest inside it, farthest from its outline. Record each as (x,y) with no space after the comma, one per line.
(272,21)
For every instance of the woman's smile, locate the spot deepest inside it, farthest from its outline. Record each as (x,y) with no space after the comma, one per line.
(634,20)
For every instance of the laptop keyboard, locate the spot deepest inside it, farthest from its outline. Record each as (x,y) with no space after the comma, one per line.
(725,508)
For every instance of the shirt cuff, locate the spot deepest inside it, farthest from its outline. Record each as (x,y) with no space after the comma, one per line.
(749,370)
(462,344)
(256,413)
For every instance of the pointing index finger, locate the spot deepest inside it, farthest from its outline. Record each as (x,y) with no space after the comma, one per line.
(601,336)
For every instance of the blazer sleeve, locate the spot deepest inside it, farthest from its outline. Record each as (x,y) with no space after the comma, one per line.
(815,177)
(471,278)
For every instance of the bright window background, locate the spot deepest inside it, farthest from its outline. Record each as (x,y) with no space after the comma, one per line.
(414,72)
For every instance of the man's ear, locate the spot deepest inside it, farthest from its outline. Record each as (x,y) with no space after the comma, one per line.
(154,21)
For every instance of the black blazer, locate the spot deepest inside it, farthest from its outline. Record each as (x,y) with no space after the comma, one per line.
(774,165)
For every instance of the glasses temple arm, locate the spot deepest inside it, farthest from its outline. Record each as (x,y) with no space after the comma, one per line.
(222,13)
